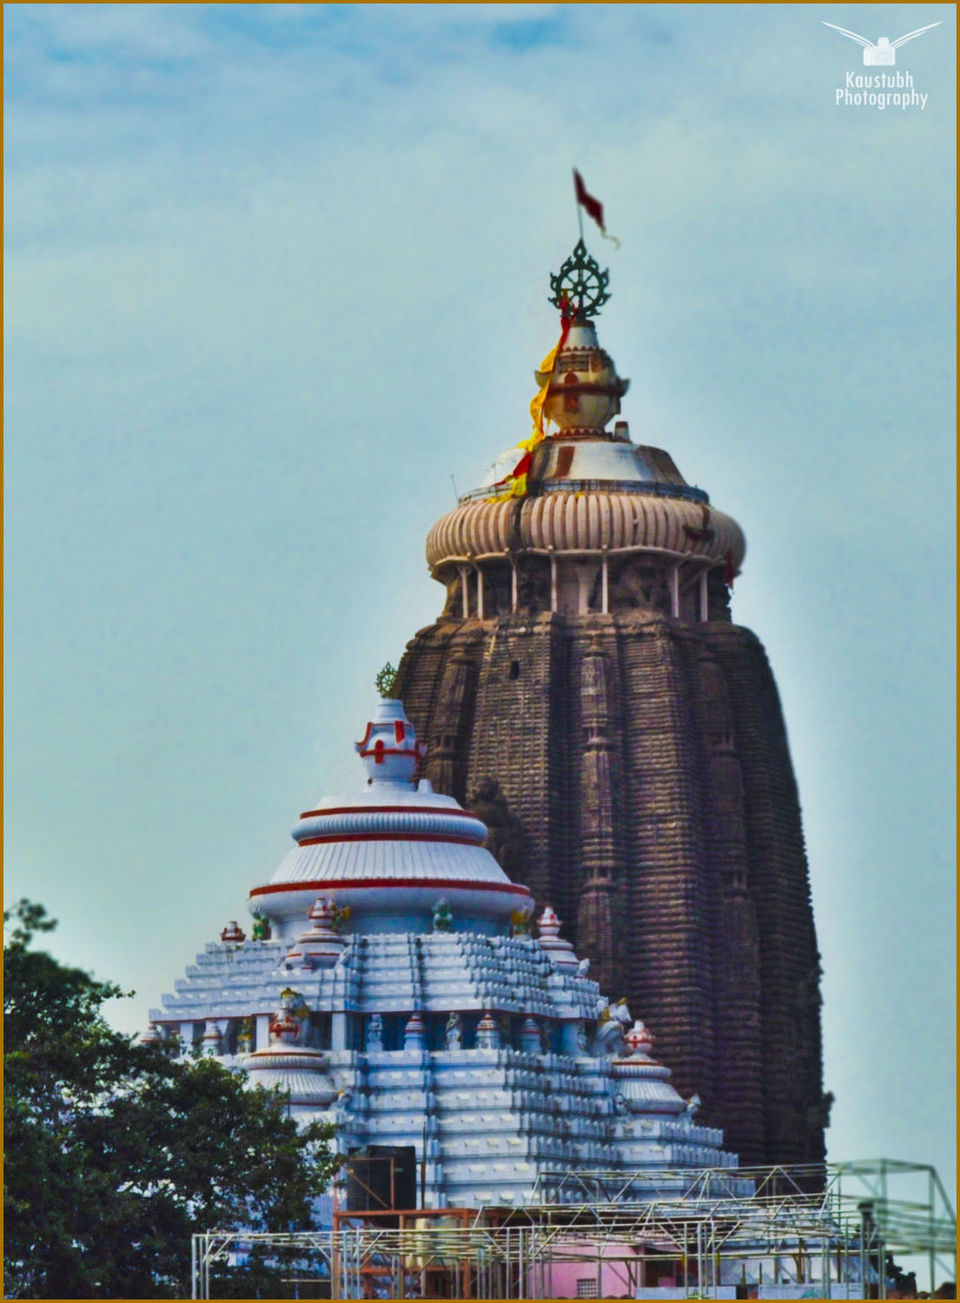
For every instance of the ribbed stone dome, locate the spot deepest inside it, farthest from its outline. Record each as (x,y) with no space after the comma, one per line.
(575,520)
(301,1071)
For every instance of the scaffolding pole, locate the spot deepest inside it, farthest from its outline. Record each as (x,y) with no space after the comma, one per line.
(705,1228)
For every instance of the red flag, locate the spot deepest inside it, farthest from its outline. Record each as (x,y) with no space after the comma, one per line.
(521,468)
(523,465)
(593,206)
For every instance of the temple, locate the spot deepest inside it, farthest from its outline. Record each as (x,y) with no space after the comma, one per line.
(586,693)
(577,807)
(391,984)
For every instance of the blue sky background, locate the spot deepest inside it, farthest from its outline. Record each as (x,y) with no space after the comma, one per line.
(274,274)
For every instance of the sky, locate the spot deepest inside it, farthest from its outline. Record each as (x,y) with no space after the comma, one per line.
(276,284)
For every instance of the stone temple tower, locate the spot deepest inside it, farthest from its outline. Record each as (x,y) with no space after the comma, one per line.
(587,694)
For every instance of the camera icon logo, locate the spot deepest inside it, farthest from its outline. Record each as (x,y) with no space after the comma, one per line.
(881,53)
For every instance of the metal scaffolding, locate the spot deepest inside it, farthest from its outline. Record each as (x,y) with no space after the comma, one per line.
(828,1227)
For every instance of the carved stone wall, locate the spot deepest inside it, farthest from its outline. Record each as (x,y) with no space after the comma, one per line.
(644,766)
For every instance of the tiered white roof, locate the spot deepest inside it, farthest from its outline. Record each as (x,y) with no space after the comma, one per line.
(411,1005)
(389,850)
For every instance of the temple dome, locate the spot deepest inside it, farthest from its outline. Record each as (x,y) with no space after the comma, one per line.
(588,490)
(392,850)
(567,518)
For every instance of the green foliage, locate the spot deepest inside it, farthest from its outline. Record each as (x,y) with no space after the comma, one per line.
(115,1155)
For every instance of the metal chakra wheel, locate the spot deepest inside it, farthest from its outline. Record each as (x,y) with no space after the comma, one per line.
(386,681)
(581,282)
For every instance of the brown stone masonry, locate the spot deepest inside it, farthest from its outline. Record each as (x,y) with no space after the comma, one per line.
(646,793)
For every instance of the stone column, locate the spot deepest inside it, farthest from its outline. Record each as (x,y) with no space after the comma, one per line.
(444,767)
(338,1031)
(597,915)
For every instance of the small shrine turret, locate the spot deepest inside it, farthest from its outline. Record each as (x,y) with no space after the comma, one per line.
(289,1062)
(322,944)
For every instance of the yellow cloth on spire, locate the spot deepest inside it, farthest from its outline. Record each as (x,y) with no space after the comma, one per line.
(516,485)
(516,489)
(539,398)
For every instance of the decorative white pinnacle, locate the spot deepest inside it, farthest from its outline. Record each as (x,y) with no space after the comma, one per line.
(389,749)
(639,1040)
(559,950)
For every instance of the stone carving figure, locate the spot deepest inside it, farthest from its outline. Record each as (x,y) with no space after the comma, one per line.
(637,585)
(504,831)
(339,916)
(454,1032)
(289,1023)
(533,586)
(613,1022)
(375,1034)
(245,1036)
(520,921)
(442,918)
(261,928)
(344,1107)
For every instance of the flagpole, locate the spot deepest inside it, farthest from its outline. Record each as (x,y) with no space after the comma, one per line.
(579,208)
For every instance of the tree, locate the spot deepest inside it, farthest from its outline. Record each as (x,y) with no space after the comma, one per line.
(115,1154)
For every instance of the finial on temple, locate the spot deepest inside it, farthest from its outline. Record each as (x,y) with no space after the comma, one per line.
(386,681)
(580,282)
